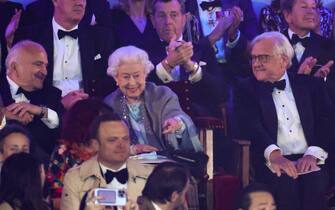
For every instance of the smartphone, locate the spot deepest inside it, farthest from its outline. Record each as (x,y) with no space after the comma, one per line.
(110,197)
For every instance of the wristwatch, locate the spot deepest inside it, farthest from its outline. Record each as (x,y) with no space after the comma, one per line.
(195,67)
(44,112)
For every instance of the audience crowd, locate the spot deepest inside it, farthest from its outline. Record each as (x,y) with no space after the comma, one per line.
(100,107)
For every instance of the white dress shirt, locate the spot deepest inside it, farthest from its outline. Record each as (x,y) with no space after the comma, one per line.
(156,206)
(290,135)
(52,121)
(67,74)
(299,49)
(114,184)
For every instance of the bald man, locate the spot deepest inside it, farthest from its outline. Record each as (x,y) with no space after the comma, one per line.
(27,100)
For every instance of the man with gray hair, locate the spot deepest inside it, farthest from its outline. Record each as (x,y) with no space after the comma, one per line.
(288,118)
(25,97)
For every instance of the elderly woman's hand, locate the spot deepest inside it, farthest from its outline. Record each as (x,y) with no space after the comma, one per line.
(172,125)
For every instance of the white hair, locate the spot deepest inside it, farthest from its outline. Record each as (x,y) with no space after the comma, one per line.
(281,44)
(126,55)
(16,51)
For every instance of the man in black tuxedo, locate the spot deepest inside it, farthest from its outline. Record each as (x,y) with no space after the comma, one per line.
(314,54)
(27,100)
(289,120)
(191,70)
(77,55)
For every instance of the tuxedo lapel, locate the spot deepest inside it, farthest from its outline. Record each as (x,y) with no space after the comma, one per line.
(312,49)
(268,109)
(303,103)
(46,39)
(87,51)
(295,64)
(5,92)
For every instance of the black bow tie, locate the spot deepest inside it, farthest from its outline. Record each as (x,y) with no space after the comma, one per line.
(121,176)
(295,39)
(27,94)
(73,33)
(280,85)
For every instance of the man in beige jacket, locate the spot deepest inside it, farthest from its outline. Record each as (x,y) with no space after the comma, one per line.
(111,137)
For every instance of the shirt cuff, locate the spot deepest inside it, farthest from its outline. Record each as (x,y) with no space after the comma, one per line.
(269,150)
(179,133)
(233,43)
(317,152)
(163,74)
(3,122)
(52,121)
(193,78)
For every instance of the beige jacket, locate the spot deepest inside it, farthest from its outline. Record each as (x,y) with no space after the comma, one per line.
(87,176)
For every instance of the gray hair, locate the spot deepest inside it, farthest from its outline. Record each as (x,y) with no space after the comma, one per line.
(281,45)
(23,46)
(128,54)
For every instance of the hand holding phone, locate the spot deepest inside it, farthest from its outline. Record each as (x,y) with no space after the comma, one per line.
(110,197)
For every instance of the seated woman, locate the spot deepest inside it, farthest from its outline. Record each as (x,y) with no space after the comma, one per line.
(75,145)
(153,112)
(22,178)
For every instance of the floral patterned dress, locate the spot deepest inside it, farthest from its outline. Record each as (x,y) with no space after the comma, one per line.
(63,158)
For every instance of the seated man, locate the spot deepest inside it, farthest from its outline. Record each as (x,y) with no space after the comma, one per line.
(191,70)
(13,139)
(170,195)
(27,100)
(77,54)
(289,120)
(256,196)
(111,168)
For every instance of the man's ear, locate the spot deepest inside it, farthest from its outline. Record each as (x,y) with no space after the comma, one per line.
(287,16)
(153,20)
(12,69)
(174,196)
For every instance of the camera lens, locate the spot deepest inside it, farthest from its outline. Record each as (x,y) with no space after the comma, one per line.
(121,193)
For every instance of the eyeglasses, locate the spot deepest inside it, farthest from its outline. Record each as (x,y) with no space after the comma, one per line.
(260,58)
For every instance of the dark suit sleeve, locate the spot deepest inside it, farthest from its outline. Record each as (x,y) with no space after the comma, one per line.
(238,65)
(212,81)
(248,118)
(54,96)
(249,26)
(324,114)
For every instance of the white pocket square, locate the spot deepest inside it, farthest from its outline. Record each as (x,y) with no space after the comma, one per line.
(97,57)
(202,63)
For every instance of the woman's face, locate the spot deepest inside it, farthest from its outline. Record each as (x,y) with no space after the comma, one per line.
(131,80)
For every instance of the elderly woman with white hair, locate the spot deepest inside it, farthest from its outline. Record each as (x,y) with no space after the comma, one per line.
(154,115)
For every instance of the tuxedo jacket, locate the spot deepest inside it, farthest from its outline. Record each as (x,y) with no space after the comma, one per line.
(7,10)
(256,116)
(205,94)
(95,43)
(321,48)
(43,137)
